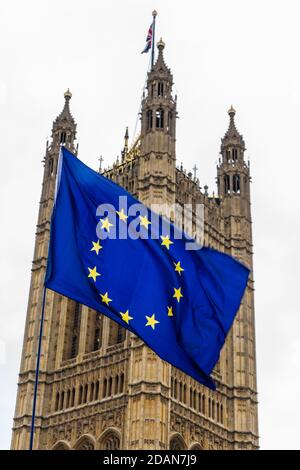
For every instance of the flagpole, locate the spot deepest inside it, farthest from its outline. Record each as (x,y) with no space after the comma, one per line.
(38,359)
(37,370)
(154,14)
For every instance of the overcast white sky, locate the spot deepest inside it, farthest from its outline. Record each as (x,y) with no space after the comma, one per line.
(221,53)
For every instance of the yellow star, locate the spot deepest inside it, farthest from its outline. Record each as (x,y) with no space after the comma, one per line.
(122,215)
(178,268)
(144,221)
(105,299)
(126,317)
(177,294)
(93,273)
(151,321)
(170,311)
(105,223)
(166,241)
(96,247)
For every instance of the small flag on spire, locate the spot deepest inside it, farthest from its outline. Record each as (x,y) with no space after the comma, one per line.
(148,40)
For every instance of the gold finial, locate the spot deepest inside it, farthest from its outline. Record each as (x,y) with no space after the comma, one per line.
(231,111)
(160,44)
(154,13)
(68,94)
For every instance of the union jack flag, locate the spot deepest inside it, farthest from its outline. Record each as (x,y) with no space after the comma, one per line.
(148,40)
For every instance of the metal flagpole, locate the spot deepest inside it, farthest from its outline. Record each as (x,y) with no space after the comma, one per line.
(37,370)
(38,359)
(154,14)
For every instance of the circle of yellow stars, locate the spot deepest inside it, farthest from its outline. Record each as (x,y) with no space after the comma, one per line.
(165,242)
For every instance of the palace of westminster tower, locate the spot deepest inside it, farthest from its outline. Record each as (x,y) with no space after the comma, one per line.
(99,386)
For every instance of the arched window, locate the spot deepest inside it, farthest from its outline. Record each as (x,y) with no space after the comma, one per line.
(203,404)
(98,332)
(226,184)
(172,387)
(121,384)
(116,387)
(199,402)
(63,136)
(160,118)
(222,417)
(61,445)
(209,407)
(110,441)
(218,412)
(191,398)
(62,397)
(120,334)
(104,388)
(184,393)
(85,444)
(228,156)
(96,396)
(236,184)
(109,392)
(160,89)
(92,388)
(57,402)
(149,119)
(177,443)
(116,333)
(234,155)
(80,395)
(72,398)
(85,394)
(213,409)
(50,167)
(180,392)
(73,329)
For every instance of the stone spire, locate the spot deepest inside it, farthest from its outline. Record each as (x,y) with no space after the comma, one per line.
(64,126)
(66,115)
(232,136)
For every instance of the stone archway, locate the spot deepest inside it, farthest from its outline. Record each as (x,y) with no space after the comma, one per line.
(177,442)
(85,442)
(110,439)
(61,445)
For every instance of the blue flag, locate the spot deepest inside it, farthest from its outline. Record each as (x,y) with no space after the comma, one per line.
(181,303)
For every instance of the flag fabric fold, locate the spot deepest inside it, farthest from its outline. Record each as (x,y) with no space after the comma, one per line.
(148,40)
(180,303)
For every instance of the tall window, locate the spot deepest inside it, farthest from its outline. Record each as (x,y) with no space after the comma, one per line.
(50,167)
(116,333)
(170,120)
(160,89)
(226,184)
(236,183)
(149,119)
(160,118)
(76,313)
(63,136)
(234,155)
(98,332)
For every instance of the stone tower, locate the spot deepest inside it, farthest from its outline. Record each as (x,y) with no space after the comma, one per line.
(100,387)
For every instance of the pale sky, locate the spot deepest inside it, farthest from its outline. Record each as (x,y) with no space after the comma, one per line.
(221,53)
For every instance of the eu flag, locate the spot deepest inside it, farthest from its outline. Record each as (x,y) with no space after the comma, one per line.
(181,303)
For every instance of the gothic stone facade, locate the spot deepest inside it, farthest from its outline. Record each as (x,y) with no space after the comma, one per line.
(100,387)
